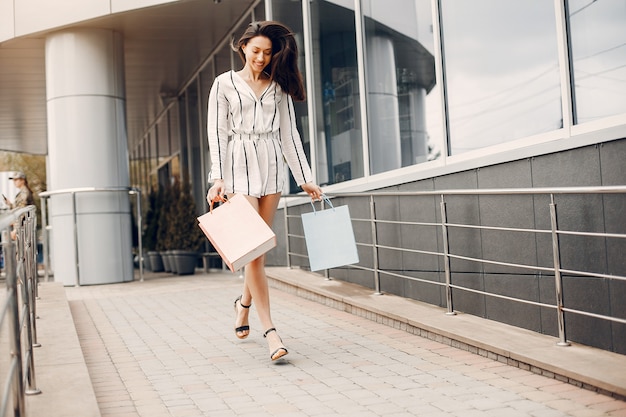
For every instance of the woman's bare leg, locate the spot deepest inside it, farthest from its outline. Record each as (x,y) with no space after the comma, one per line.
(255,281)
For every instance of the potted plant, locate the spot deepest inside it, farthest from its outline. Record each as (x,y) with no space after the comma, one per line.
(185,237)
(163,244)
(153,260)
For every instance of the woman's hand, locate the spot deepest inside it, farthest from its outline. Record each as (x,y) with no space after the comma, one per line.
(313,190)
(216,192)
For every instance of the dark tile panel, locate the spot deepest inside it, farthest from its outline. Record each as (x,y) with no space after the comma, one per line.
(516,174)
(612,157)
(420,237)
(388,234)
(617,291)
(508,246)
(425,292)
(524,287)
(619,337)
(547,295)
(587,294)
(465,301)
(615,221)
(574,168)
(360,277)
(390,284)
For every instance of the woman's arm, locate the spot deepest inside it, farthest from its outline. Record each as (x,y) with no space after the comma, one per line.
(217,129)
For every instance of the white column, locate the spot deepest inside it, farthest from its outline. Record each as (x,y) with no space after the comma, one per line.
(87,147)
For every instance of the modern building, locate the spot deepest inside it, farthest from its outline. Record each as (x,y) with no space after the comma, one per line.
(401,95)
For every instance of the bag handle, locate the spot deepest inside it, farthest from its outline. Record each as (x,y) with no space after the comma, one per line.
(323,198)
(221,199)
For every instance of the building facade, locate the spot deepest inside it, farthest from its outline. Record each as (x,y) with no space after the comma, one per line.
(401,95)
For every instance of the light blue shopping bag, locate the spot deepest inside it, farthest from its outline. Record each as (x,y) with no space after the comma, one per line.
(329,237)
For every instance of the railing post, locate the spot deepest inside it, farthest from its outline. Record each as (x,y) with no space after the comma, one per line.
(31,262)
(13,317)
(375,245)
(44,236)
(446,257)
(287,245)
(558,281)
(326,271)
(75,223)
(23,276)
(137,193)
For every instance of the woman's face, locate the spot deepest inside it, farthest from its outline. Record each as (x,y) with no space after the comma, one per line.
(18,182)
(258,53)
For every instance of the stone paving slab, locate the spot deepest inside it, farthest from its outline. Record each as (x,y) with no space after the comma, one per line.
(166,347)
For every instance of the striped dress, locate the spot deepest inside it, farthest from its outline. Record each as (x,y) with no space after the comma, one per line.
(250,137)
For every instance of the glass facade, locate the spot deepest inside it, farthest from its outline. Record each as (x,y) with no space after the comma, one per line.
(400,65)
(391,91)
(502,71)
(597,32)
(336,95)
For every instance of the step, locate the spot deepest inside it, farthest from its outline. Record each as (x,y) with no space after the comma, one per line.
(60,370)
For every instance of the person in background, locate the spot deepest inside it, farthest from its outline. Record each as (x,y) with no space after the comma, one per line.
(24,195)
(252,130)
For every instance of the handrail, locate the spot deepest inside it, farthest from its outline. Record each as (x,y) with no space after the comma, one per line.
(292,201)
(73,191)
(18,309)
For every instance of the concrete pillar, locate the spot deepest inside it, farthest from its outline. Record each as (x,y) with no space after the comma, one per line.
(87,147)
(382,105)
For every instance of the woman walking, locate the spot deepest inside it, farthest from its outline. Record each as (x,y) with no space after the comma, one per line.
(252,129)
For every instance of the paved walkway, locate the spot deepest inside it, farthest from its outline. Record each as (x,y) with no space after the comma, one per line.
(166,347)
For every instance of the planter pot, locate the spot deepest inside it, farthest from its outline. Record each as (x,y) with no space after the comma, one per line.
(185,261)
(155,261)
(173,266)
(167,264)
(147,266)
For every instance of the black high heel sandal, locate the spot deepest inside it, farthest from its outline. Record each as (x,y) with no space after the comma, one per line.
(281,351)
(244,327)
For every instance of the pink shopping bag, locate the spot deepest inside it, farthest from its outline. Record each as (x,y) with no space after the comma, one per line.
(237,232)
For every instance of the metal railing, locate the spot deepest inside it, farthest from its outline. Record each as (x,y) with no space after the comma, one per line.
(18,309)
(444,226)
(72,192)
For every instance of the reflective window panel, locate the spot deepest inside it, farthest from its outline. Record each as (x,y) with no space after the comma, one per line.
(598,56)
(403,105)
(501,70)
(289,13)
(336,95)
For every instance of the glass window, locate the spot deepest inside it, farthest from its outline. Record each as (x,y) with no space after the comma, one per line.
(598,56)
(206,80)
(163,139)
(259,12)
(290,13)
(192,154)
(404,118)
(501,69)
(336,95)
(174,125)
(151,147)
(223,61)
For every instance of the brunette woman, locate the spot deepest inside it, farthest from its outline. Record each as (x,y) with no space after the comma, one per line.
(252,131)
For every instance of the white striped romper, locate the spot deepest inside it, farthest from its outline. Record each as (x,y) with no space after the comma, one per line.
(248,137)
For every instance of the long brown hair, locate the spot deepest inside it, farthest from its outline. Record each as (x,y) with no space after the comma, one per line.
(283,68)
